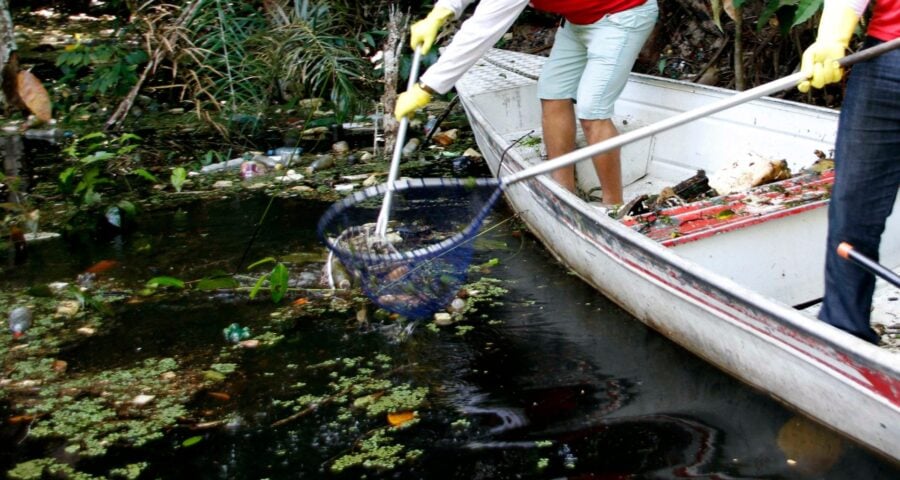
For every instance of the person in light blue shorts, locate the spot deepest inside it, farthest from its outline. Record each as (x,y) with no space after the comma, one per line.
(594,51)
(585,74)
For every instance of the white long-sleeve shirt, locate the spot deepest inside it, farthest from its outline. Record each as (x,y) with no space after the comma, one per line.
(475,36)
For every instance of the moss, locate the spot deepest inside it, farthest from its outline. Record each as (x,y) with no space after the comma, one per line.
(377,452)
(398,399)
(93,413)
(223,368)
(40,468)
(463,329)
(129,472)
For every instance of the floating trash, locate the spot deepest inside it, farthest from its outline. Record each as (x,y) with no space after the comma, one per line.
(19,321)
(234,333)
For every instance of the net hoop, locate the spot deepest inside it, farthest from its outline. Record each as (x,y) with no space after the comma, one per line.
(426,252)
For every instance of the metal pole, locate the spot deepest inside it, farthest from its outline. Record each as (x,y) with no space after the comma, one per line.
(384,214)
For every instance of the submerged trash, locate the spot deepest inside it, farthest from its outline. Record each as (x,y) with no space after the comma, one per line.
(411,146)
(19,321)
(252,169)
(234,333)
(226,165)
(321,163)
(286,154)
(340,147)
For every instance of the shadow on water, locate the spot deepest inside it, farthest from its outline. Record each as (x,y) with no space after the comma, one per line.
(555,381)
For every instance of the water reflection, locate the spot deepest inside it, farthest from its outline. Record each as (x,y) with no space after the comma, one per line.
(13,150)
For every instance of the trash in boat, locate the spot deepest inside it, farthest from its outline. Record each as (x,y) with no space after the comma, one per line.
(745,174)
(687,191)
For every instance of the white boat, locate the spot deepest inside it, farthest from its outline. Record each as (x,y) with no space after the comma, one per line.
(734,279)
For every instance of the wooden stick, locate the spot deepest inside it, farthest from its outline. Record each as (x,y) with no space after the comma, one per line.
(125,106)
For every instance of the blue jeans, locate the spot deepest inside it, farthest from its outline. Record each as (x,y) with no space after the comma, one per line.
(867,175)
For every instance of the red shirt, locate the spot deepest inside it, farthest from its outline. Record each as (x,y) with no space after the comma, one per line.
(885,23)
(586,12)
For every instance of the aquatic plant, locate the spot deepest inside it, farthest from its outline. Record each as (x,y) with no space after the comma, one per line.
(120,407)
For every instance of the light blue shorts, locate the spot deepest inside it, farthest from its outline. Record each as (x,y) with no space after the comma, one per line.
(590,63)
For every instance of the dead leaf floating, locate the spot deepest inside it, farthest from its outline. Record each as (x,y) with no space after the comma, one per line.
(399,418)
(35,96)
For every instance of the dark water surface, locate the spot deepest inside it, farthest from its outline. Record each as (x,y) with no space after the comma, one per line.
(557,382)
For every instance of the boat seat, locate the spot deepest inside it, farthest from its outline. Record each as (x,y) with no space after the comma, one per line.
(703,218)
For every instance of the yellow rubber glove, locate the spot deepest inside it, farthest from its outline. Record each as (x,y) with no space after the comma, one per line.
(410,101)
(820,59)
(425,31)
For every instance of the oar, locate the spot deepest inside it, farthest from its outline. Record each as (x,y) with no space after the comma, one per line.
(385,213)
(846,251)
(689,116)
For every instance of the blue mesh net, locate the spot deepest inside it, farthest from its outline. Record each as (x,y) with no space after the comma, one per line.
(418,266)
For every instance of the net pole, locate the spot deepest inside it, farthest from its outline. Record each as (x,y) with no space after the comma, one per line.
(385,213)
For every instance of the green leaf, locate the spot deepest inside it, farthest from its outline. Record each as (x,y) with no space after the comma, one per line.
(97,157)
(127,207)
(278,280)
(192,441)
(179,175)
(143,173)
(217,282)
(261,262)
(125,137)
(257,286)
(805,10)
(165,282)
(717,12)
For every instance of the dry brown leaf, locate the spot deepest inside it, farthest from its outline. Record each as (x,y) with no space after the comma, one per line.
(35,96)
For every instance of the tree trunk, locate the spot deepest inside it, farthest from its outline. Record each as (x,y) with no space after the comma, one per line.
(7,40)
(393,45)
(739,83)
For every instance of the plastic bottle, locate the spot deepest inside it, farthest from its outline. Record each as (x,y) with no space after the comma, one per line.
(285,155)
(51,134)
(411,146)
(285,151)
(19,321)
(321,163)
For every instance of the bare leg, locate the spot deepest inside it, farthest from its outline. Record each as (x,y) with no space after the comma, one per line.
(608,164)
(558,122)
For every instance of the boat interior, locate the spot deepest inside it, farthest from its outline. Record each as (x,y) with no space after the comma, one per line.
(769,237)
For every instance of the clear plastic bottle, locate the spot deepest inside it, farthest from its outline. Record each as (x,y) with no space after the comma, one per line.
(19,321)
(285,155)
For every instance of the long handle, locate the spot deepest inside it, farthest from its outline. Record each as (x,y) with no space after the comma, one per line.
(385,213)
(688,116)
(846,251)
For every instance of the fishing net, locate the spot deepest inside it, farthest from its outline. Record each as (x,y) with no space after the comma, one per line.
(417,267)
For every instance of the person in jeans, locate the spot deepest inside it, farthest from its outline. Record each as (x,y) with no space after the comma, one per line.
(866,157)
(592,55)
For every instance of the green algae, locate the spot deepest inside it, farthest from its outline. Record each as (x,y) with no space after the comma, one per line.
(379,451)
(126,407)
